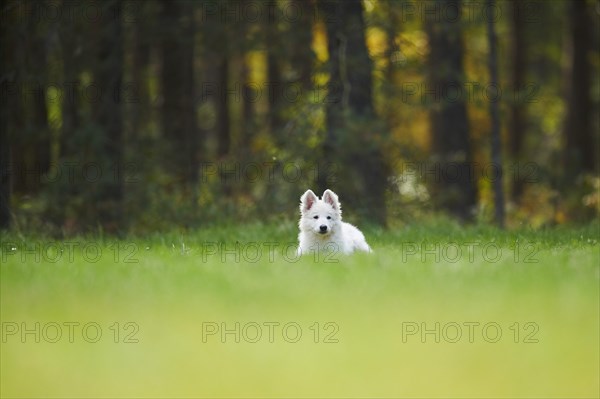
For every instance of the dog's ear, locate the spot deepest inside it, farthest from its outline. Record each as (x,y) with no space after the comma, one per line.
(307,201)
(331,198)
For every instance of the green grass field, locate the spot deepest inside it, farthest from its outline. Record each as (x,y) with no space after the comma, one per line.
(436,311)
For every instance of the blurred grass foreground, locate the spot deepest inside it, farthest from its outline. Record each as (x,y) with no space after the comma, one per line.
(436,311)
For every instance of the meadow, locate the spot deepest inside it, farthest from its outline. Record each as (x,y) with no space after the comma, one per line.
(228,311)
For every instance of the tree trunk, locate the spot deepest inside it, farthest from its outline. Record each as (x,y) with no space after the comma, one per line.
(518,108)
(70,103)
(37,60)
(222,103)
(108,116)
(579,140)
(7,43)
(275,81)
(350,115)
(495,121)
(177,78)
(302,57)
(31,146)
(5,115)
(5,174)
(454,188)
(141,62)
(333,101)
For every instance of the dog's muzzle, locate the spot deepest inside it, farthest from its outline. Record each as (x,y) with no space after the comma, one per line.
(322,229)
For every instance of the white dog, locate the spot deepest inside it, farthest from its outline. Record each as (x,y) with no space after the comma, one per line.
(321,226)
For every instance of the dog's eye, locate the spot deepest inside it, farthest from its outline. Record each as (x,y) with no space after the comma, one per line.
(328,217)
(315,217)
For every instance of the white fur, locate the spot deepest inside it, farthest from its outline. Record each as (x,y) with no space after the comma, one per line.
(338,236)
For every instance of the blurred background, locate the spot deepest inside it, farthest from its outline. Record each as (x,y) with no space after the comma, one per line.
(135,116)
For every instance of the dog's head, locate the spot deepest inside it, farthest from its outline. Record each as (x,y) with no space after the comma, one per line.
(321,216)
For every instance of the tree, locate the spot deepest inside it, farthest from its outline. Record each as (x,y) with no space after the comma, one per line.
(217,44)
(579,140)
(5,174)
(143,36)
(177,81)
(69,39)
(107,117)
(6,71)
(454,188)
(495,120)
(275,60)
(37,68)
(353,135)
(301,35)
(216,50)
(5,159)
(31,146)
(290,60)
(518,110)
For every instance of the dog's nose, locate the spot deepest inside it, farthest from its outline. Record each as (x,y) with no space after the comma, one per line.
(323,228)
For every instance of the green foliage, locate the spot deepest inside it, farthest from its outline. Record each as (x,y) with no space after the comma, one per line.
(273,131)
